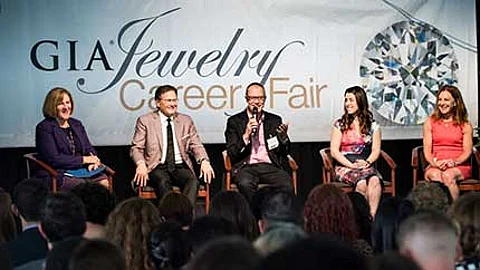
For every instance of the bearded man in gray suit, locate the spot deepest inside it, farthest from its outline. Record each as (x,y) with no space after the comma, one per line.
(163,158)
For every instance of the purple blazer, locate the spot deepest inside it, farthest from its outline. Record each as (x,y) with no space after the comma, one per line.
(53,148)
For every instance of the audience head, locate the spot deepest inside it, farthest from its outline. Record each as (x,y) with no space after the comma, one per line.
(176,207)
(391,212)
(279,206)
(356,105)
(234,207)
(207,228)
(59,256)
(8,227)
(129,226)
(428,196)
(230,252)
(278,235)
(362,215)
(466,213)
(168,246)
(324,251)
(451,95)
(27,198)
(430,238)
(97,255)
(62,216)
(329,210)
(392,260)
(53,98)
(98,201)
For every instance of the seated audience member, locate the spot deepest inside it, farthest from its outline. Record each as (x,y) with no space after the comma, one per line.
(206,228)
(97,254)
(324,251)
(278,235)
(231,252)
(161,157)
(466,213)
(176,207)
(430,239)
(234,207)
(391,212)
(5,261)
(168,246)
(279,206)
(392,260)
(447,140)
(59,256)
(362,215)
(8,226)
(258,145)
(129,226)
(62,141)
(355,145)
(99,202)
(427,196)
(29,245)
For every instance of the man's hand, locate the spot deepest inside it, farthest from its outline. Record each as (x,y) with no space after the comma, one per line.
(282,132)
(141,175)
(252,123)
(206,171)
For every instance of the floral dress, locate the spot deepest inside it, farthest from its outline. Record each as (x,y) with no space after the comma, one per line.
(355,146)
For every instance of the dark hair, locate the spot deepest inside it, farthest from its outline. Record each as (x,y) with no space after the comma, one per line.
(430,196)
(168,246)
(324,251)
(466,212)
(393,261)
(207,228)
(281,206)
(8,226)
(365,116)
(97,254)
(328,210)
(234,207)
(163,89)
(53,98)
(391,212)
(98,201)
(63,216)
(460,115)
(28,196)
(233,253)
(176,207)
(254,84)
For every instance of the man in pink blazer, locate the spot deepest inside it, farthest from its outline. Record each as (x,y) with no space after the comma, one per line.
(166,166)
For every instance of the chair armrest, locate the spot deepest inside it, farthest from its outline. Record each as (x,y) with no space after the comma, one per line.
(109,171)
(389,160)
(415,156)
(227,162)
(292,163)
(32,157)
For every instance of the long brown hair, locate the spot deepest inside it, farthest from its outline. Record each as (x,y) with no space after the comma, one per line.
(129,226)
(365,117)
(8,228)
(460,115)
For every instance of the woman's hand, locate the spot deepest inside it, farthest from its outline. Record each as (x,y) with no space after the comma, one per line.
(92,167)
(91,159)
(362,164)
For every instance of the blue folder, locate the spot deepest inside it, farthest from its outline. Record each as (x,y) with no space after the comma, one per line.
(84,172)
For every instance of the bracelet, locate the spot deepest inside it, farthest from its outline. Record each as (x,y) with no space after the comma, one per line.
(368,162)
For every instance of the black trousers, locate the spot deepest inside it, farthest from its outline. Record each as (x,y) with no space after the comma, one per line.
(250,176)
(182,177)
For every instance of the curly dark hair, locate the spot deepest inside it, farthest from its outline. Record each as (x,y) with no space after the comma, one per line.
(365,116)
(466,212)
(329,210)
(129,226)
(98,201)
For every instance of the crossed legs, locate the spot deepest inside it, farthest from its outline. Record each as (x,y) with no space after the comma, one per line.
(448,177)
(372,192)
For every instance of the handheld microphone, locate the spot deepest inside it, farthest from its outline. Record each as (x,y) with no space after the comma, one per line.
(254,114)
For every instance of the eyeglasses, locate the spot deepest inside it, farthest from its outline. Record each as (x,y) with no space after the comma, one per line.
(170,100)
(261,98)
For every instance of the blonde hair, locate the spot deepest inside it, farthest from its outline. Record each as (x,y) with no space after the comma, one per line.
(53,98)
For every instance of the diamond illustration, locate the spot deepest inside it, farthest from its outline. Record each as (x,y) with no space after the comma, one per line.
(402,69)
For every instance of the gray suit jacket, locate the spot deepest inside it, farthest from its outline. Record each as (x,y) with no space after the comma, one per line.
(147,143)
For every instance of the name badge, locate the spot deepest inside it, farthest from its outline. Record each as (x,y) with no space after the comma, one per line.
(272,143)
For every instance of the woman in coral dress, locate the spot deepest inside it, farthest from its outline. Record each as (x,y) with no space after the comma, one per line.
(447,140)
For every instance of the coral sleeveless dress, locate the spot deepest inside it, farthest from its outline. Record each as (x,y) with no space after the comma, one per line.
(447,143)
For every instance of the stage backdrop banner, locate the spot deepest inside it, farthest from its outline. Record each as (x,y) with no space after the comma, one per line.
(112,54)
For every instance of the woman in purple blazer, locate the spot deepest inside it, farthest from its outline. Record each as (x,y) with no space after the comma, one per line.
(62,141)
